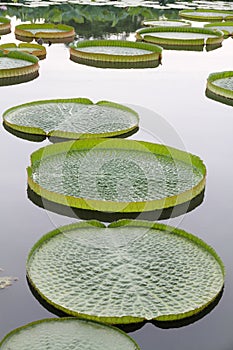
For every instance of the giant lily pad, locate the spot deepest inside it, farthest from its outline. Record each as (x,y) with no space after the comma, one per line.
(180,36)
(206,15)
(17,67)
(113,175)
(72,118)
(127,272)
(220,87)
(69,334)
(5,25)
(34,49)
(46,31)
(225,27)
(165,23)
(115,54)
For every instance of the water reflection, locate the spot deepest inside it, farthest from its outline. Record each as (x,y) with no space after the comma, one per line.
(83,214)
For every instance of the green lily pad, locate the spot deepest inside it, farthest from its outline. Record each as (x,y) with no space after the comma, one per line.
(72,118)
(115,54)
(127,272)
(5,25)
(17,67)
(69,334)
(46,31)
(34,49)
(225,27)
(180,36)
(221,84)
(115,175)
(167,23)
(206,15)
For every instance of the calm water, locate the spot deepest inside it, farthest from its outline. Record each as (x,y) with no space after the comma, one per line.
(174,110)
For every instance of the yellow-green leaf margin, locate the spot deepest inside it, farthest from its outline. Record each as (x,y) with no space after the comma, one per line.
(23,31)
(218,90)
(153,56)
(67,134)
(128,223)
(144,35)
(38,50)
(19,73)
(198,16)
(221,26)
(5,25)
(111,206)
(64,320)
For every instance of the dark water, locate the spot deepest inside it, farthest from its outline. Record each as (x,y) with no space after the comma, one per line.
(174,110)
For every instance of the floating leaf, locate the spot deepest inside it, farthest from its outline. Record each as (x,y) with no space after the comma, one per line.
(116,54)
(165,23)
(206,15)
(5,25)
(225,27)
(6,281)
(127,272)
(34,49)
(72,118)
(220,85)
(69,334)
(46,31)
(17,67)
(180,36)
(113,175)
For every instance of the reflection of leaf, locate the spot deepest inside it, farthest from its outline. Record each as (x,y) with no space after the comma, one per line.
(6,281)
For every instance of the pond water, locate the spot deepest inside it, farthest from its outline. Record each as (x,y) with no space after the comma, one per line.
(174,110)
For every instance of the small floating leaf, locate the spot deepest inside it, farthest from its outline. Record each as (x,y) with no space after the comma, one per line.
(69,334)
(34,49)
(6,281)
(72,118)
(115,175)
(206,15)
(17,67)
(46,31)
(116,54)
(221,84)
(180,36)
(127,272)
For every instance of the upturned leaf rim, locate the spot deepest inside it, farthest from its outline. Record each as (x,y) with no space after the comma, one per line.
(67,134)
(113,206)
(129,223)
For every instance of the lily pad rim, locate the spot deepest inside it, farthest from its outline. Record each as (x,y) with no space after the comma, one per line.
(144,34)
(186,23)
(67,134)
(116,206)
(186,14)
(221,24)
(133,223)
(64,319)
(116,43)
(39,51)
(218,89)
(23,30)
(4,20)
